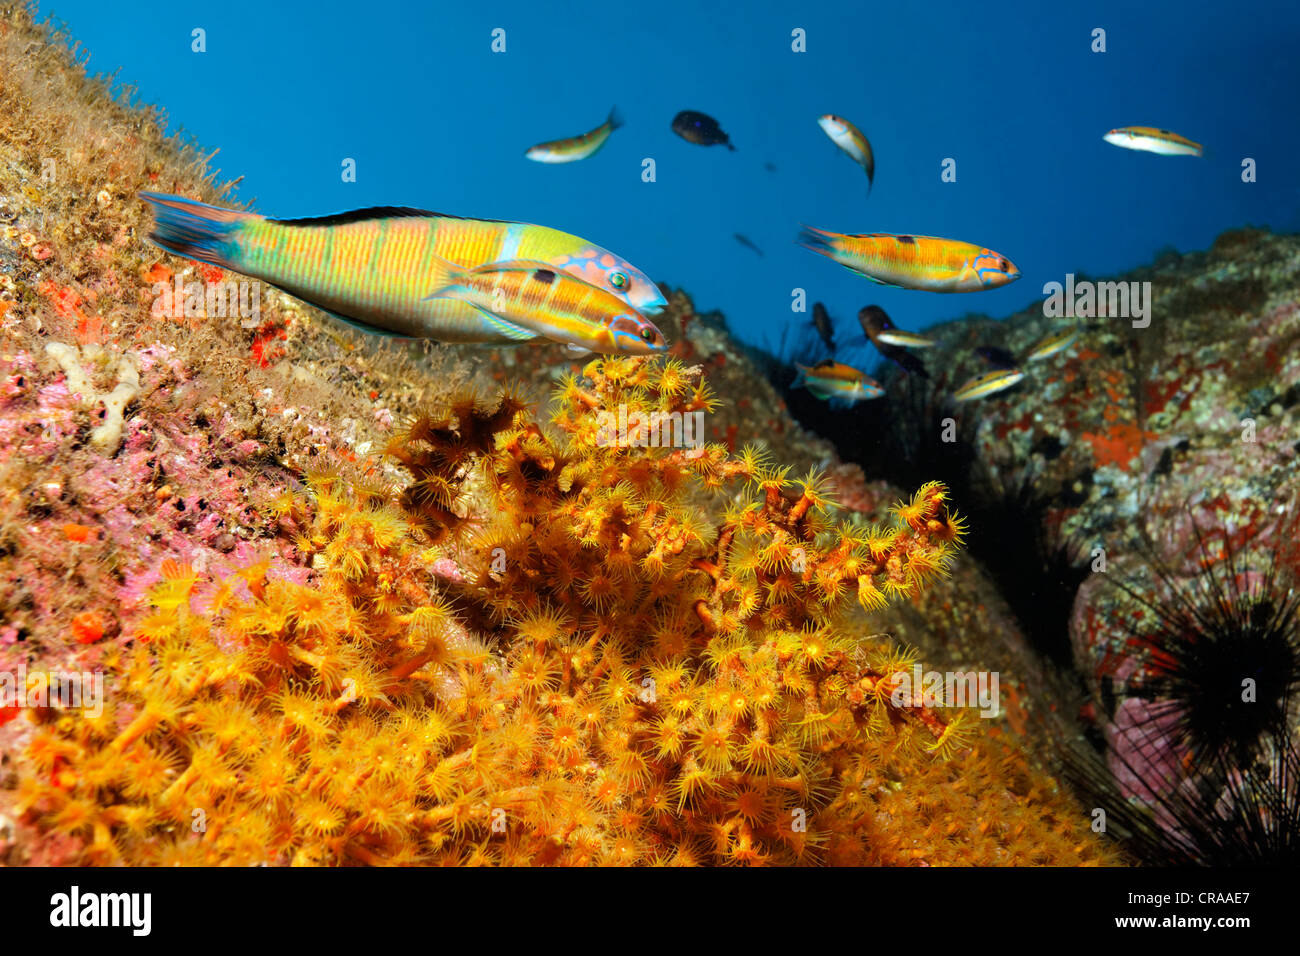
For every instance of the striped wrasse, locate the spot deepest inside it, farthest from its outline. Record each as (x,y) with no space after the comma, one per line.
(1149,139)
(837,383)
(376,268)
(576,147)
(903,340)
(522,299)
(914,262)
(1053,345)
(990,383)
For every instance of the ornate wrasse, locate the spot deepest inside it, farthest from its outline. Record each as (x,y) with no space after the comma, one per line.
(914,262)
(376,267)
(523,298)
(837,383)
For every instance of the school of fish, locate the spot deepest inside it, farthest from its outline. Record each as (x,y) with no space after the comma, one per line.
(412,273)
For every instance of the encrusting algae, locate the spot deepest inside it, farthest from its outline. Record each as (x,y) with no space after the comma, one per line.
(543,652)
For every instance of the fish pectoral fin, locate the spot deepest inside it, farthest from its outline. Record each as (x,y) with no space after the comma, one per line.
(444,277)
(498,324)
(818,392)
(577,349)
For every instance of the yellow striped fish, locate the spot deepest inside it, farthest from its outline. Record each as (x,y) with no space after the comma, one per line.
(990,383)
(375,268)
(522,299)
(904,340)
(1052,345)
(576,147)
(1149,139)
(914,262)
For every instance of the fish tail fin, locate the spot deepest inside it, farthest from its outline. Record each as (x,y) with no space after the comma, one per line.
(816,240)
(615,118)
(195,229)
(799,378)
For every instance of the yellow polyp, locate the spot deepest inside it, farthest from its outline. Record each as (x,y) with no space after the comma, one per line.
(534,649)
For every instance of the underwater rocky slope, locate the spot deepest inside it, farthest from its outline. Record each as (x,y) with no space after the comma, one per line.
(359,604)
(1135,499)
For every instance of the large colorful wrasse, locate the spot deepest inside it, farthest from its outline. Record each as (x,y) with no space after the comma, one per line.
(990,383)
(837,383)
(372,268)
(914,262)
(1052,345)
(576,147)
(521,299)
(850,139)
(1148,139)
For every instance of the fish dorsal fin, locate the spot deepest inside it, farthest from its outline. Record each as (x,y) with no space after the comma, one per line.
(373,212)
(542,270)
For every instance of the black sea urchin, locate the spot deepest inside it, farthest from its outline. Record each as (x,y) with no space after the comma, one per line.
(1200,764)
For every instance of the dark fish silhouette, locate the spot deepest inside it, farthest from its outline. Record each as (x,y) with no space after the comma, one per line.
(822,323)
(875,320)
(745,241)
(996,356)
(770,167)
(700,129)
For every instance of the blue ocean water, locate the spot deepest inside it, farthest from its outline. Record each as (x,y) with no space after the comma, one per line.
(1013,92)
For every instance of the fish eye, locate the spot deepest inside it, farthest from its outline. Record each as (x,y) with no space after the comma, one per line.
(648,334)
(618,280)
(1004,265)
